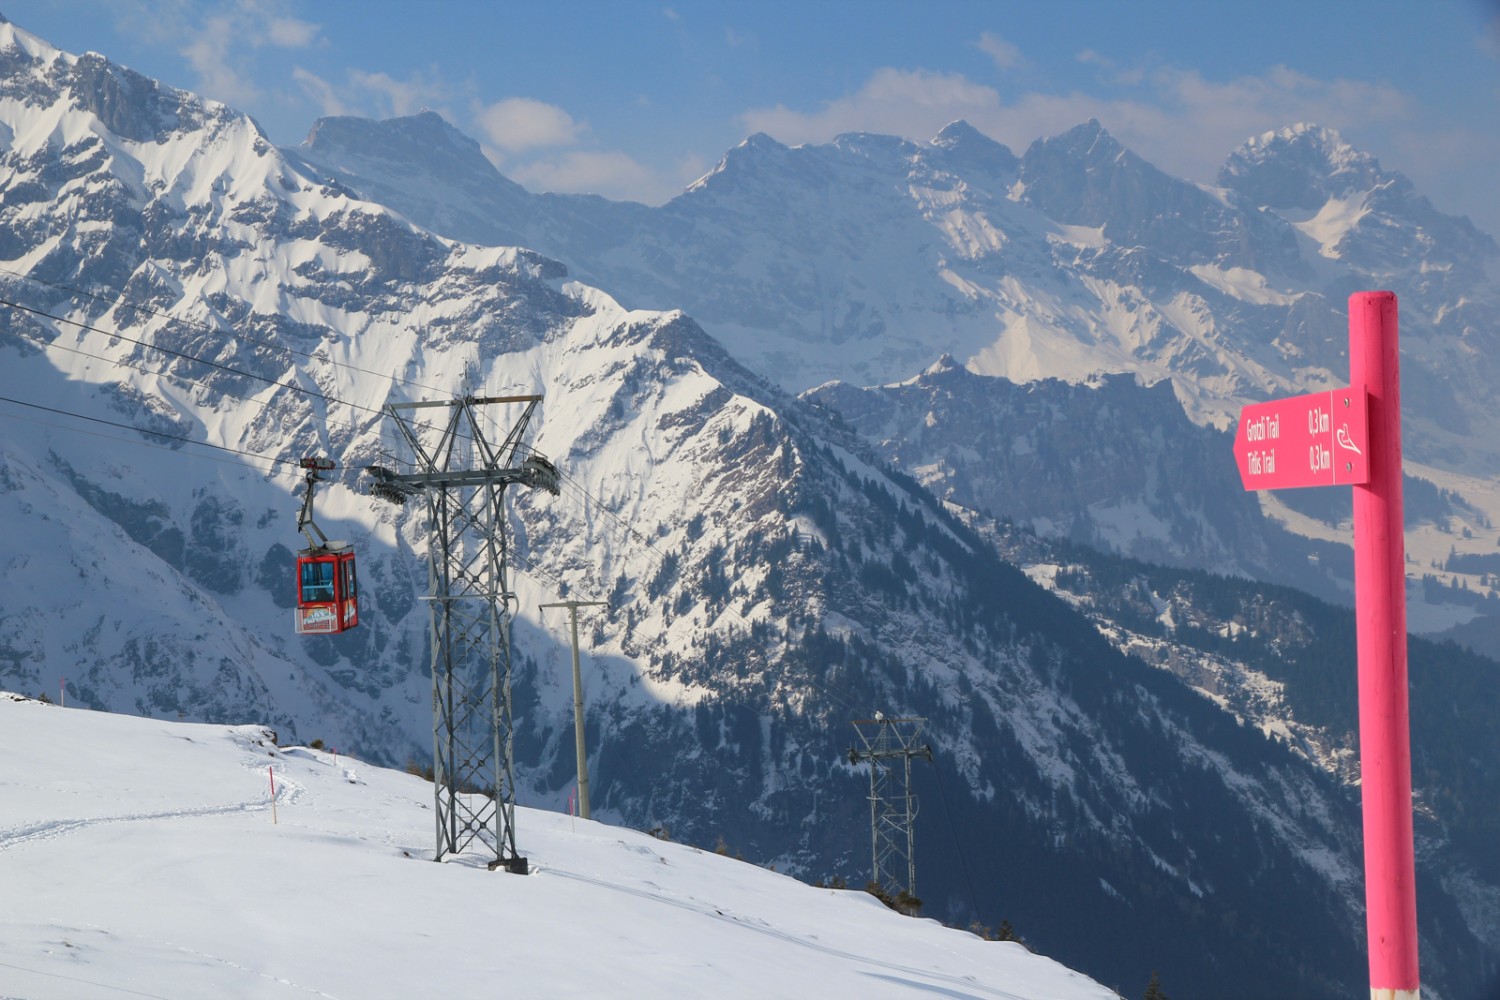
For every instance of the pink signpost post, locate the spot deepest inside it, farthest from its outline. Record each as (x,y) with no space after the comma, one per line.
(1353,437)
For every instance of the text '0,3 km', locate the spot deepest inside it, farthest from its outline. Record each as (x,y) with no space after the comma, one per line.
(1321,439)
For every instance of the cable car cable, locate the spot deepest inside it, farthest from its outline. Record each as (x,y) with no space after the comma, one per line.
(119,301)
(349,479)
(44,346)
(175,353)
(130,441)
(205,327)
(115,334)
(142,430)
(327,422)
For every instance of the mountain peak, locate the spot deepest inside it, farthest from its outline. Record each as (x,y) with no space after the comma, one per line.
(414,145)
(126,103)
(425,132)
(741,161)
(761,141)
(945,363)
(1300,166)
(1090,138)
(959,131)
(972,147)
(753,148)
(1086,149)
(1075,173)
(13,36)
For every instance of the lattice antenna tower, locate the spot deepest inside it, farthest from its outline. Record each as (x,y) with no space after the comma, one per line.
(463,476)
(889,746)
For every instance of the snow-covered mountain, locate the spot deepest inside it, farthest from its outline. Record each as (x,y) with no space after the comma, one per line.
(189,311)
(152,859)
(864,260)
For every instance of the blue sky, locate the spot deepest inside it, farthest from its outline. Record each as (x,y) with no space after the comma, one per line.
(635,100)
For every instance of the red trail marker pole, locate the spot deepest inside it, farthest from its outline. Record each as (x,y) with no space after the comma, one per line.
(1380,614)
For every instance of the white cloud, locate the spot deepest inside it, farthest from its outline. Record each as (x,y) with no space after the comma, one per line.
(1004,54)
(1112,70)
(291,33)
(690,168)
(320,92)
(1176,118)
(608,173)
(392,97)
(374,95)
(219,41)
(899,102)
(520,123)
(220,75)
(1188,124)
(542,147)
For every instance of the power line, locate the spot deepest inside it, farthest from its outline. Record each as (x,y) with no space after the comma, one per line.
(127,440)
(328,423)
(578,493)
(116,334)
(578,487)
(182,439)
(119,301)
(180,379)
(963,862)
(626,528)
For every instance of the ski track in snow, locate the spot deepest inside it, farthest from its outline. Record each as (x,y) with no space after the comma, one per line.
(288,792)
(53,829)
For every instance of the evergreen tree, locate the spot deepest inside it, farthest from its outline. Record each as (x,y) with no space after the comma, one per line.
(1154,990)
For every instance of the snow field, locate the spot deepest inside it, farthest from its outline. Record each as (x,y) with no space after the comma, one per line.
(140,858)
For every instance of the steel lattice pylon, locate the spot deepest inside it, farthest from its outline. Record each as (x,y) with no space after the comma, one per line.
(889,746)
(463,478)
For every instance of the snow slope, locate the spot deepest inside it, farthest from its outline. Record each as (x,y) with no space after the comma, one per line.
(144,859)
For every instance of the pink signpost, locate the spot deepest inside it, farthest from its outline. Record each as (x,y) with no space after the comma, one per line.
(1288,443)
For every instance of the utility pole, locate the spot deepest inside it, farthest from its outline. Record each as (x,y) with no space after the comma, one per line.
(892,805)
(583,760)
(463,478)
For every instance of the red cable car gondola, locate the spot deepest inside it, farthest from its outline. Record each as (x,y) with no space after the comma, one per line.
(327,588)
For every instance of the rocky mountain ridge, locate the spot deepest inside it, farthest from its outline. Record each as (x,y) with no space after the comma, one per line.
(865,259)
(877,254)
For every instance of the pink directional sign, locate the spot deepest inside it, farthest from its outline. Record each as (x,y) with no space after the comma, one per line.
(1326,439)
(1321,439)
